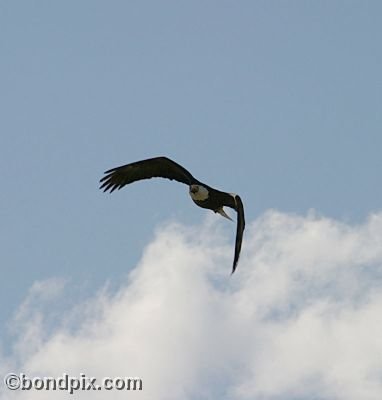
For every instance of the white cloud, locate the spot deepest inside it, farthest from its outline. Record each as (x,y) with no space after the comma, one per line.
(300,319)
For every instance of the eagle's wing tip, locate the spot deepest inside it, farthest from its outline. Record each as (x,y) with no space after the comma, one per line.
(234,266)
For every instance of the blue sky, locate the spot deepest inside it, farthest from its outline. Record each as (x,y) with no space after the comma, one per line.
(277,101)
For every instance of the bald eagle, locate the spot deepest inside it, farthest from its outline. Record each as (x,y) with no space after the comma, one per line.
(202,195)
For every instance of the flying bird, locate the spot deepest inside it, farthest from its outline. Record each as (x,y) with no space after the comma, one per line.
(202,195)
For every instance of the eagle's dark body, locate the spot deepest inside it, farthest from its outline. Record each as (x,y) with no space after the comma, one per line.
(203,195)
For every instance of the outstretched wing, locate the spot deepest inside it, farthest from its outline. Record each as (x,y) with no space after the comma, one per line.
(239,230)
(161,167)
(234,201)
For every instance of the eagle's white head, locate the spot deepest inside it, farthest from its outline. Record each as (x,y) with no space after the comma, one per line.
(198,193)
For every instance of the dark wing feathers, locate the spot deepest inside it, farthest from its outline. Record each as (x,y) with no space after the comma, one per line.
(234,201)
(161,167)
(239,230)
